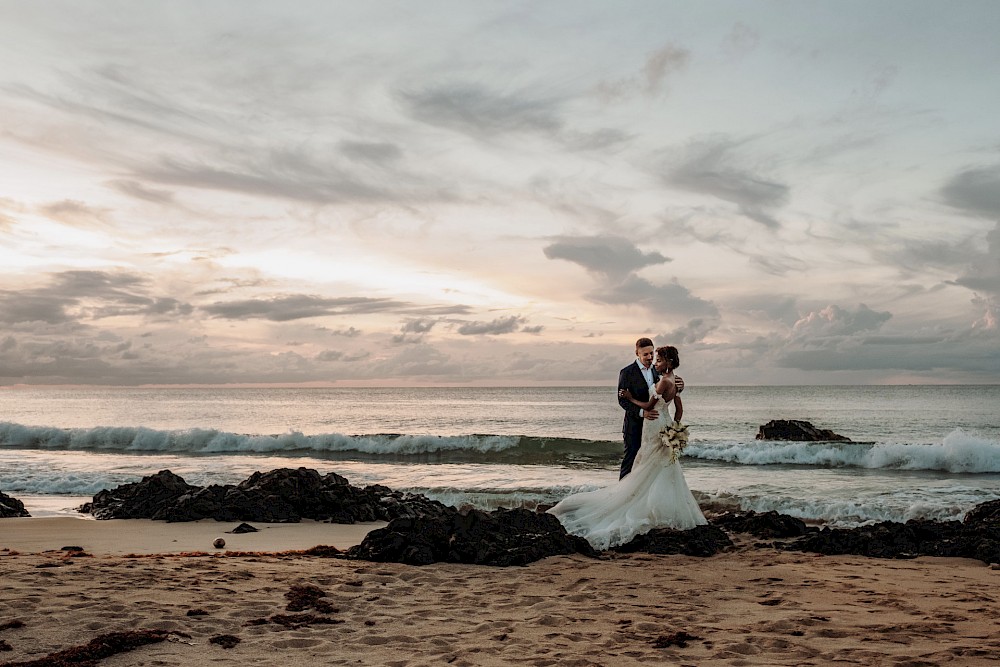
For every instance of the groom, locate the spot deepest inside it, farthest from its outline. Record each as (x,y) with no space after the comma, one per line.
(637,377)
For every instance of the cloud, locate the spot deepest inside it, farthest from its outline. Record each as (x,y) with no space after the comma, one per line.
(497,327)
(983,273)
(80,295)
(668,301)
(651,79)
(975,190)
(76,214)
(712,169)
(479,112)
(140,191)
(368,151)
(836,321)
(614,261)
(296,307)
(609,256)
(695,331)
(349,332)
(329,355)
(413,330)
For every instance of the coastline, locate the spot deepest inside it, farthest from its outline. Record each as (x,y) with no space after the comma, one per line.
(747,606)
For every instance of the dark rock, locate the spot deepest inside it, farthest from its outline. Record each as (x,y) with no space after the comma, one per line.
(765,525)
(984,515)
(243,528)
(138,500)
(797,430)
(225,641)
(906,540)
(11,508)
(284,495)
(502,538)
(698,541)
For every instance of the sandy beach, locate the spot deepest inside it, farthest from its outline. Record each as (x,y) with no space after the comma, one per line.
(750,606)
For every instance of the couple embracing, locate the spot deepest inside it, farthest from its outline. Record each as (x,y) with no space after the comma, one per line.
(651,491)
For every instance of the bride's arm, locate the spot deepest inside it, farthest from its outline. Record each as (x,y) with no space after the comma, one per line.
(627,395)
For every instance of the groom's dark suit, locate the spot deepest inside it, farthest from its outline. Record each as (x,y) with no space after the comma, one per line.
(631,378)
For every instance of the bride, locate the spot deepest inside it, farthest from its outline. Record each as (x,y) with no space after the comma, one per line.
(654,494)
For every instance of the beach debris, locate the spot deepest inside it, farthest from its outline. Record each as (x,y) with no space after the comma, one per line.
(71,549)
(196,612)
(295,621)
(97,649)
(243,528)
(11,508)
(679,639)
(797,430)
(218,543)
(700,541)
(302,597)
(225,641)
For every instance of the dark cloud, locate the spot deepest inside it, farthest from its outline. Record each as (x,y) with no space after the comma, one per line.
(533,330)
(975,190)
(499,326)
(479,112)
(695,331)
(329,355)
(413,330)
(140,191)
(712,169)
(610,256)
(74,296)
(419,325)
(983,272)
(296,307)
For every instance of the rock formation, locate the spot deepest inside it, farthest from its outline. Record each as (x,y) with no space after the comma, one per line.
(797,430)
(11,507)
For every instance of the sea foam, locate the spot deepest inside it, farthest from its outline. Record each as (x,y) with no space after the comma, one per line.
(958,452)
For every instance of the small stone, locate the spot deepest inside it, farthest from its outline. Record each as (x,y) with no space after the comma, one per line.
(219,543)
(995,566)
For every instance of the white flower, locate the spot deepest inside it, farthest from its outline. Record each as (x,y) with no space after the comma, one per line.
(674,438)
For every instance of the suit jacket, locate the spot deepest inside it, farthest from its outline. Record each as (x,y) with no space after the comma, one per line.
(631,378)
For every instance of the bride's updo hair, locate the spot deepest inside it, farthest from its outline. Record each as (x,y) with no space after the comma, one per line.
(669,352)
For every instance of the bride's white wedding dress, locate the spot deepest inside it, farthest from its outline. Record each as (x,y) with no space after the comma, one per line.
(653,495)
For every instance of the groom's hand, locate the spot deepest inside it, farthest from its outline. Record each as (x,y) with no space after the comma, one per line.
(679,383)
(651,414)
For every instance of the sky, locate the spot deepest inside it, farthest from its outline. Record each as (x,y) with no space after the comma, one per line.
(498,193)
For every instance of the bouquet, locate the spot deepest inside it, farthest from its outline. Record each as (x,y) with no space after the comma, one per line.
(675,438)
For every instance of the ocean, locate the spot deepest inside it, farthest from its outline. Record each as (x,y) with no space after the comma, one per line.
(919,452)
